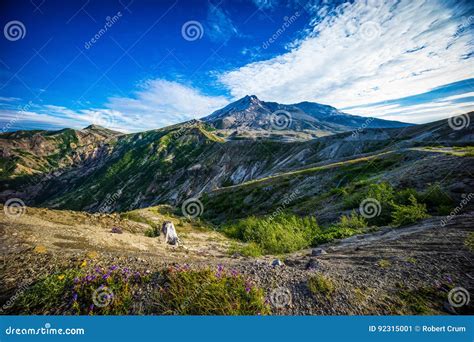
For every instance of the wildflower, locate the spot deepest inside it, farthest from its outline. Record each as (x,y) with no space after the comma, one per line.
(76,280)
(61,277)
(84,263)
(74,297)
(113,268)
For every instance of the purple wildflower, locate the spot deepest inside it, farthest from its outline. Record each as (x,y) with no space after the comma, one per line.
(113,268)
(74,296)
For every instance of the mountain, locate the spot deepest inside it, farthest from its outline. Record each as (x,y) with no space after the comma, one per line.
(374,201)
(83,169)
(250,116)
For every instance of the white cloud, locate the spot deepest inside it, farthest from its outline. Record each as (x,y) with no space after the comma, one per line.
(365,55)
(157,104)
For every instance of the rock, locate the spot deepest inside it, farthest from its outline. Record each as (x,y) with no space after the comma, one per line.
(277,262)
(312,264)
(318,251)
(169,231)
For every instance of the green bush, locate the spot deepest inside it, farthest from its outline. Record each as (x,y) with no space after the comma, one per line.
(205,292)
(437,200)
(275,235)
(152,232)
(47,296)
(346,227)
(469,242)
(250,249)
(320,284)
(407,214)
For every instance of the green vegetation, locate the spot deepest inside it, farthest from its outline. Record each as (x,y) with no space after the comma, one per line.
(407,214)
(208,293)
(114,291)
(281,234)
(383,263)
(47,295)
(346,227)
(286,233)
(321,284)
(420,301)
(469,242)
(250,249)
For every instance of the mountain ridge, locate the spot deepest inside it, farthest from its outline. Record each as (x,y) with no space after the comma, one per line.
(311,119)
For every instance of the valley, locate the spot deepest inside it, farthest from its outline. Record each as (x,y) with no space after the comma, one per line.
(325,217)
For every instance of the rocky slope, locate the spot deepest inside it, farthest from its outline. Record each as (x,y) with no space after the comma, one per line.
(251,117)
(99,170)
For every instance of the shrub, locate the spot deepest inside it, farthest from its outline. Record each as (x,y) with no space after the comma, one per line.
(274,235)
(47,296)
(250,249)
(205,292)
(437,200)
(346,227)
(383,263)
(320,284)
(104,291)
(406,214)
(152,232)
(469,242)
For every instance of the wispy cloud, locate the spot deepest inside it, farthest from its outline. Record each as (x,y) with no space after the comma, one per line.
(363,54)
(219,26)
(158,103)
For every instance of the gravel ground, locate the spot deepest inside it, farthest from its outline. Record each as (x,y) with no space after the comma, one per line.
(369,272)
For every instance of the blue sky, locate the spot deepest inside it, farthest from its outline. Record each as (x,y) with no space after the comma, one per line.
(134,65)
